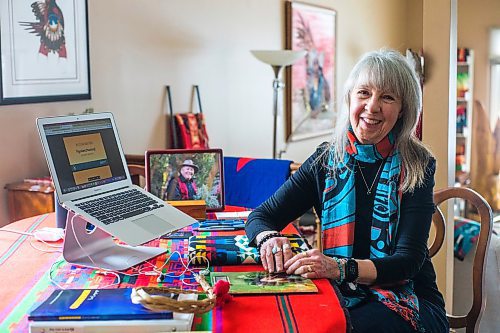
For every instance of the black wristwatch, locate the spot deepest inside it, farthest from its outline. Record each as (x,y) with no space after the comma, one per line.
(351,270)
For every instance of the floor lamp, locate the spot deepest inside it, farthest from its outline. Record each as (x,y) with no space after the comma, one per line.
(278,59)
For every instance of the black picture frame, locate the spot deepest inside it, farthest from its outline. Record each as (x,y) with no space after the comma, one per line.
(164,166)
(37,68)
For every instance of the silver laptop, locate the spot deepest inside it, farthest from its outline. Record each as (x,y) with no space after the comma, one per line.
(91,179)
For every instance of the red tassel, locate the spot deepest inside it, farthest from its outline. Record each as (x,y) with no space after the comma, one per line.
(221,290)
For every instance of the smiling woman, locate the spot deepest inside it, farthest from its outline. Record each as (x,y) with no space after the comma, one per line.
(372,188)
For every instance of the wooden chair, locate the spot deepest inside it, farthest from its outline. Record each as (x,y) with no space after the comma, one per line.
(136,168)
(471,320)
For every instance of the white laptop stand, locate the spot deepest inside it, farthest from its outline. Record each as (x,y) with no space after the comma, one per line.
(97,248)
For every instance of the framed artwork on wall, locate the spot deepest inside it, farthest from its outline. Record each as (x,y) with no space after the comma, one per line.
(310,82)
(44,51)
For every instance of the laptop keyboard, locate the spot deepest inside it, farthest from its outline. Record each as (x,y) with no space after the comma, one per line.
(119,206)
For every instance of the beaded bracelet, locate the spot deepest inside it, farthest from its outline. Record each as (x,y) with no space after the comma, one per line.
(266,238)
(340,265)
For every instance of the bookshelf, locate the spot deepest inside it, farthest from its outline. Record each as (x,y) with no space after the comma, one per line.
(465,80)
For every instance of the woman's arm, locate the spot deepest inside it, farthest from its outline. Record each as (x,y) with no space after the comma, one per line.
(410,248)
(298,194)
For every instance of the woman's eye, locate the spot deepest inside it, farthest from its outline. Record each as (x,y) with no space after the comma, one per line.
(389,98)
(363,93)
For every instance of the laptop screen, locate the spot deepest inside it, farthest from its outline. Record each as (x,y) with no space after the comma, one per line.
(186,174)
(85,154)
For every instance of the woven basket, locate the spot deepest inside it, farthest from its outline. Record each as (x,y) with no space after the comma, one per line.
(151,298)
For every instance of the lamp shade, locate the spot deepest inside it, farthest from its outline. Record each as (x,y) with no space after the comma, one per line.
(278,57)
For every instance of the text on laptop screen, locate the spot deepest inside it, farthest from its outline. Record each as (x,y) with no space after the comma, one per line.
(85,154)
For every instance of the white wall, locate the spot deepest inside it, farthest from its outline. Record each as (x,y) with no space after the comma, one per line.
(137,47)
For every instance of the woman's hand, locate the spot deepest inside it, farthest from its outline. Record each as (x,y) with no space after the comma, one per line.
(313,264)
(274,253)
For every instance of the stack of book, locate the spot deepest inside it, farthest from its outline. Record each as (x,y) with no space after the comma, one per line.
(106,311)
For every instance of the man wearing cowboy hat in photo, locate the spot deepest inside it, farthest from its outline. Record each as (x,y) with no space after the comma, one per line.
(183,187)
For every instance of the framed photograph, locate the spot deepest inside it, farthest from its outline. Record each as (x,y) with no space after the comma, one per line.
(44,51)
(310,82)
(186,174)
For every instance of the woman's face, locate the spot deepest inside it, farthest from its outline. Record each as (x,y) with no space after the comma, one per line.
(373,113)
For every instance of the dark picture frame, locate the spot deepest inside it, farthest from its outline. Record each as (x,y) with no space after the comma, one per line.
(310,82)
(163,167)
(45,57)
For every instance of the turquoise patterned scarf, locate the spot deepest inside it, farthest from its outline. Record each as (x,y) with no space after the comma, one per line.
(339,214)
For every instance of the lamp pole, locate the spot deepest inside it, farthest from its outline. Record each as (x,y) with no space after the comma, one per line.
(277,59)
(277,85)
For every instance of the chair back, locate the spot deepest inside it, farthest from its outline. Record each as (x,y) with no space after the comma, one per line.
(250,181)
(469,321)
(136,169)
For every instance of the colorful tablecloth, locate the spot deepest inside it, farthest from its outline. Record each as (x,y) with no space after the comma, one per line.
(25,283)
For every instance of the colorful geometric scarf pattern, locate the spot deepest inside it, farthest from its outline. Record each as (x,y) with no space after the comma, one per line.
(339,214)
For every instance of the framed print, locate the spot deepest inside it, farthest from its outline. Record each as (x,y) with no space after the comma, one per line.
(186,174)
(310,82)
(44,51)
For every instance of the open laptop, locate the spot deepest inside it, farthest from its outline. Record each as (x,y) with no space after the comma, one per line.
(89,172)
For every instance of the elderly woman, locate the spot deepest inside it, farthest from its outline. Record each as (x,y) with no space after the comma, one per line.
(372,187)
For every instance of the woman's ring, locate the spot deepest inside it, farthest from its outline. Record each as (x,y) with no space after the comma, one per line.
(286,246)
(276,249)
(309,268)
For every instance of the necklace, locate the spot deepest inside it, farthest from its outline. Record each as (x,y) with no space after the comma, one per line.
(369,189)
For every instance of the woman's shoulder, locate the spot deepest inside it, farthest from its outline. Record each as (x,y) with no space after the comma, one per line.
(318,159)
(417,152)
(319,155)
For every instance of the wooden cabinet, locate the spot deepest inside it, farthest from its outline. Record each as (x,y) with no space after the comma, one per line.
(26,199)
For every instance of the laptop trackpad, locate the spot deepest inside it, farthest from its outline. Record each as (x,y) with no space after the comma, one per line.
(154,224)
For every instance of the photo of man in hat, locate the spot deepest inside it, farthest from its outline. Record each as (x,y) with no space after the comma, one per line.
(183,187)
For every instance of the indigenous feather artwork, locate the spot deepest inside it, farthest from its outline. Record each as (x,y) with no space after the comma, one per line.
(50,27)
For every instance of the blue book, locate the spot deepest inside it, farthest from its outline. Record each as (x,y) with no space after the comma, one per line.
(94,304)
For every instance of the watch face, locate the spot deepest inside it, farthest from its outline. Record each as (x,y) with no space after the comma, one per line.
(352,270)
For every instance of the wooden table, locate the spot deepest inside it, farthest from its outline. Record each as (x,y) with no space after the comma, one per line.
(25,283)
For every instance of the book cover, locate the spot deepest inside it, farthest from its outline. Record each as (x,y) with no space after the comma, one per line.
(182,322)
(231,250)
(264,283)
(94,304)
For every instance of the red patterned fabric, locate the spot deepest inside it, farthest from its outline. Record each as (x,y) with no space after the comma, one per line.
(318,313)
(191,131)
(273,313)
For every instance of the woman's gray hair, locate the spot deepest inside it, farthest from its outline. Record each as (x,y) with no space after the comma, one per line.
(387,70)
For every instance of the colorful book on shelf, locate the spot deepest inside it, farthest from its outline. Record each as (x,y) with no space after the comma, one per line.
(264,283)
(94,304)
(231,250)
